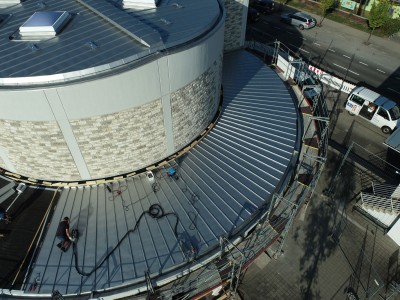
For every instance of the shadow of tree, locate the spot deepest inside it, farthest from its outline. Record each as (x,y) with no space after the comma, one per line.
(322,221)
(316,246)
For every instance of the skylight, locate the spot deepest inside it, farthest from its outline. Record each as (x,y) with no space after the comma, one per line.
(9,2)
(47,23)
(140,3)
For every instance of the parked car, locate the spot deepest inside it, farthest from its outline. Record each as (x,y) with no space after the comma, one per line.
(300,20)
(263,6)
(309,84)
(252,15)
(374,108)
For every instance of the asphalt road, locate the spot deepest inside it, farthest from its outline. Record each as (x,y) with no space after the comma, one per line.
(321,48)
(346,129)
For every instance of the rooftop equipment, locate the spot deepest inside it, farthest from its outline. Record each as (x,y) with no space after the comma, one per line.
(45,23)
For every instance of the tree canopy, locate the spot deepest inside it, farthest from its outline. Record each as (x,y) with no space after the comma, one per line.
(378,14)
(325,5)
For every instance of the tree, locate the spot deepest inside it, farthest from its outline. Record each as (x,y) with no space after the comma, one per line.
(378,15)
(325,5)
(391,27)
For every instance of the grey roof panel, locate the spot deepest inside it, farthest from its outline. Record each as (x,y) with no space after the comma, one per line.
(134,27)
(121,36)
(222,182)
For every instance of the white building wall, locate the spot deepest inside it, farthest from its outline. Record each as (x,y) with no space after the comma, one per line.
(111,125)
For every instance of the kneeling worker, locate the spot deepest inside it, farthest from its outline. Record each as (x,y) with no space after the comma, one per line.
(63,234)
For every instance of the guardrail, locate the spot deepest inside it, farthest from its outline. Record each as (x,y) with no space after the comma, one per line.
(380,203)
(287,62)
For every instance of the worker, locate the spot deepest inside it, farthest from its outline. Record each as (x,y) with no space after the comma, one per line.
(4,215)
(63,234)
(371,108)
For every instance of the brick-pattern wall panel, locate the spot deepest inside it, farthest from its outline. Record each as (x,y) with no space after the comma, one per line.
(233,23)
(37,150)
(195,105)
(122,142)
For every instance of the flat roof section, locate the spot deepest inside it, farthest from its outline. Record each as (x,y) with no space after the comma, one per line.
(18,238)
(218,188)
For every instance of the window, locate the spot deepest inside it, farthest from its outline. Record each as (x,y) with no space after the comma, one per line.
(394,113)
(357,99)
(383,113)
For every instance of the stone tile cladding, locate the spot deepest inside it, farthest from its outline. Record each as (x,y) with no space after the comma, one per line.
(194,106)
(233,24)
(37,149)
(122,142)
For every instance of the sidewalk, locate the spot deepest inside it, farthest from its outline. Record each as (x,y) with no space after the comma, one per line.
(330,249)
(328,252)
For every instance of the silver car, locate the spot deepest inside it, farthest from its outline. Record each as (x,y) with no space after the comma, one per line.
(300,20)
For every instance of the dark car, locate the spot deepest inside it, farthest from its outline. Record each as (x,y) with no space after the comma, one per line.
(252,15)
(263,6)
(300,20)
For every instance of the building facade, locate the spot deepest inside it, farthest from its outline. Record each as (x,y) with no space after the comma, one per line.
(98,99)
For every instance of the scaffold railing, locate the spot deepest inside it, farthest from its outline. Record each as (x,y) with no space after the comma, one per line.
(275,221)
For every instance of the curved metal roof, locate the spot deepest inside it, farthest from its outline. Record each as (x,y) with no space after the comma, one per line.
(100,36)
(222,182)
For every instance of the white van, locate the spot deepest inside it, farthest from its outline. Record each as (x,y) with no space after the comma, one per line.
(372,106)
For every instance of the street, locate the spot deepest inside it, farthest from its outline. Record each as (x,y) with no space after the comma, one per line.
(340,53)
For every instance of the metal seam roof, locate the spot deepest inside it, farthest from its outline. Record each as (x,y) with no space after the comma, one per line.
(121,36)
(222,182)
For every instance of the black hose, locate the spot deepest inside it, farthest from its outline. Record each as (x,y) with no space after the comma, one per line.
(155,211)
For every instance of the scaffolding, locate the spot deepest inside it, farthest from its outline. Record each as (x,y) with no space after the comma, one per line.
(272,222)
(277,219)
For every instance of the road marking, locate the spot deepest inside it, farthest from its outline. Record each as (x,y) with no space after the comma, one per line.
(398,78)
(394,91)
(339,66)
(381,71)
(316,44)
(346,69)
(304,50)
(346,56)
(331,50)
(354,73)
(363,63)
(289,32)
(265,22)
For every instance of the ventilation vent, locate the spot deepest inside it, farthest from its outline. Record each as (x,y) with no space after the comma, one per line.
(177,5)
(33,47)
(92,45)
(165,21)
(45,23)
(140,3)
(41,5)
